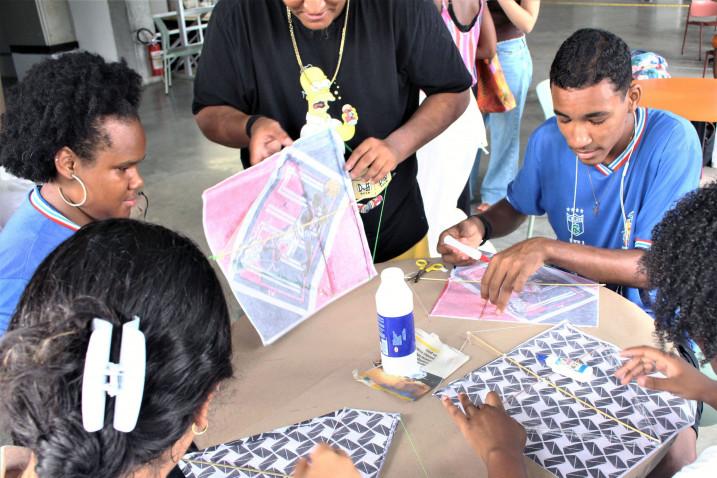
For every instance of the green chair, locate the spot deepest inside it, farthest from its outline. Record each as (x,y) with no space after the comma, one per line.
(173,49)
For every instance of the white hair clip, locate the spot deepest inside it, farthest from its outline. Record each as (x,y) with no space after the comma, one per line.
(123,380)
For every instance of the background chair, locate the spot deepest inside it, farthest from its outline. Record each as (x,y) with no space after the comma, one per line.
(702,13)
(13,192)
(542,89)
(707,57)
(183,42)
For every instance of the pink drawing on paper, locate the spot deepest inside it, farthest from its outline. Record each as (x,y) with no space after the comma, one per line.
(287,234)
(537,303)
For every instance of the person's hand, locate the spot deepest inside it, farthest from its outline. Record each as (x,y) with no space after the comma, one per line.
(509,270)
(682,379)
(267,138)
(325,462)
(488,429)
(469,232)
(372,160)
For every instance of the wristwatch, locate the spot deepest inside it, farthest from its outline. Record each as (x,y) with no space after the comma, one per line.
(249,123)
(487,226)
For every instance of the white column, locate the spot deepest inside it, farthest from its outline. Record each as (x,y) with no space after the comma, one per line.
(93,27)
(109,27)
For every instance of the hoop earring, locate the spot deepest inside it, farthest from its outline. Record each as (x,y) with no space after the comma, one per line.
(200,432)
(84,193)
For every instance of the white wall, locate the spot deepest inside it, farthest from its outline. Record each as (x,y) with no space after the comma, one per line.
(31,23)
(128,16)
(93,27)
(56,21)
(158,6)
(108,28)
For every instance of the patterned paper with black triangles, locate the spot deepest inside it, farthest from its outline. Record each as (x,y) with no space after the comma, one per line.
(565,437)
(365,435)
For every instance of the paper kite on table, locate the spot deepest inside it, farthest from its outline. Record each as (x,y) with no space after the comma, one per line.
(566,437)
(287,234)
(544,304)
(364,435)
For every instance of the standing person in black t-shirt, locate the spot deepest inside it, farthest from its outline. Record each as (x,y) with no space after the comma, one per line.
(272,70)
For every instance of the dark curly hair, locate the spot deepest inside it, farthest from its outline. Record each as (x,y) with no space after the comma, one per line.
(589,56)
(113,269)
(62,103)
(682,266)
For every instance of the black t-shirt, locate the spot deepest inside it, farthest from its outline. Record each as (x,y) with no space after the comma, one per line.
(393,48)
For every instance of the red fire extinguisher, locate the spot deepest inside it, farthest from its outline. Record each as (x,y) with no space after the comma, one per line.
(154,50)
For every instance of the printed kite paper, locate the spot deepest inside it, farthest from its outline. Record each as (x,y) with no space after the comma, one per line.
(364,435)
(565,437)
(537,304)
(287,234)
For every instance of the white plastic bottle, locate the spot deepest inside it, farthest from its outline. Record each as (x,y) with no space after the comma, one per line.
(394,305)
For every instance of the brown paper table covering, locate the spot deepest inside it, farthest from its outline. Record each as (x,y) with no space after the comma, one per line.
(308,373)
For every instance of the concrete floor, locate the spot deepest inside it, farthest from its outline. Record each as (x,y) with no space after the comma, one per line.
(181,163)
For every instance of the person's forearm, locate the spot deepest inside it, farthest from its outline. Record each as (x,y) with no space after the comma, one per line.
(503,218)
(711,398)
(523,15)
(611,266)
(487,41)
(224,125)
(435,114)
(506,465)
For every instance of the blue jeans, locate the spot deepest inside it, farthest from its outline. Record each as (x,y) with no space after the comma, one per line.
(504,143)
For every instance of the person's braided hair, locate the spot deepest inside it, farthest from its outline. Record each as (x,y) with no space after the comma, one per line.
(62,102)
(682,266)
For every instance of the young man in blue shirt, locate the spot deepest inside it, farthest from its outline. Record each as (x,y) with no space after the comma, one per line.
(604,170)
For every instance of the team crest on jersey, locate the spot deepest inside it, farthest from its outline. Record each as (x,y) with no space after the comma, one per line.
(576,221)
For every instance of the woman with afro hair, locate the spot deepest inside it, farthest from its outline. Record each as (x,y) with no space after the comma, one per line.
(72,128)
(681,267)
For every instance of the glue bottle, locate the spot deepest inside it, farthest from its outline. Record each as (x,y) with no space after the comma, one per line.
(394,306)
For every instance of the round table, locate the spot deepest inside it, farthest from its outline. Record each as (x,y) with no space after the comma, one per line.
(307,373)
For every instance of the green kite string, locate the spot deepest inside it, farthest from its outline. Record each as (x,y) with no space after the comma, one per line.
(413,447)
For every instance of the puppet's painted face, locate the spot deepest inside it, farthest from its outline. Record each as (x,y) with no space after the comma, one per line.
(317,91)
(595,120)
(316,14)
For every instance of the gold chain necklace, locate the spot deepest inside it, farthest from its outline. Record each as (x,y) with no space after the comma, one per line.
(341,46)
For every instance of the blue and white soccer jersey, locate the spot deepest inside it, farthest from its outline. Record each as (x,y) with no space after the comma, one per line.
(34,230)
(661,164)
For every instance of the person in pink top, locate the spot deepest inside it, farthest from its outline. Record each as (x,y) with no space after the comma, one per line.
(471,27)
(513,20)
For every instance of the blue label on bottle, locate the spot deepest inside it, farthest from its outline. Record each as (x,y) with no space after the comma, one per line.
(398,337)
